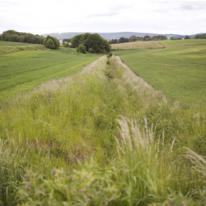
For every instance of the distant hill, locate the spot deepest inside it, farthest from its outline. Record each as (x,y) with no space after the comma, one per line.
(113,35)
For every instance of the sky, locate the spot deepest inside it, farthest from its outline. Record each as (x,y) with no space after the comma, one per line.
(155,16)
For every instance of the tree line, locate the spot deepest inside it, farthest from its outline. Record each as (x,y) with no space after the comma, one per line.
(137,38)
(83,43)
(15,36)
(49,41)
(155,38)
(87,42)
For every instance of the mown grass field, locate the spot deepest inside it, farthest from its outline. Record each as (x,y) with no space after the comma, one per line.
(178,69)
(24,66)
(101,137)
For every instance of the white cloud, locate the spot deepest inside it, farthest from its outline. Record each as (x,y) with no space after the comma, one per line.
(161,16)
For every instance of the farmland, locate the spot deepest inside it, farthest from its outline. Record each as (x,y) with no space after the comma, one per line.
(177,69)
(24,66)
(85,129)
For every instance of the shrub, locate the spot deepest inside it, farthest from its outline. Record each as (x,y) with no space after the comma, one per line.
(82,49)
(51,43)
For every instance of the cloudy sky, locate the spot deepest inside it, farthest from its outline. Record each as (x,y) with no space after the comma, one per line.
(158,16)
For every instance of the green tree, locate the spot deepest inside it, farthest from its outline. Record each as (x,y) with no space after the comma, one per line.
(15,36)
(82,49)
(51,43)
(200,36)
(96,44)
(79,39)
(92,43)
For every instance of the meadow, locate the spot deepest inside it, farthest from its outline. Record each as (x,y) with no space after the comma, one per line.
(25,66)
(100,134)
(177,69)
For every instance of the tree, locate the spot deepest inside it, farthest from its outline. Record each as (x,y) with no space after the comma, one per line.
(187,37)
(96,44)
(15,36)
(79,39)
(82,49)
(132,38)
(176,38)
(200,36)
(92,43)
(66,42)
(159,37)
(123,40)
(147,38)
(51,43)
(114,41)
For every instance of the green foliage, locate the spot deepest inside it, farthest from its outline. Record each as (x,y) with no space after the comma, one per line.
(96,44)
(15,36)
(79,39)
(136,38)
(11,172)
(176,38)
(81,48)
(51,43)
(200,36)
(187,37)
(93,43)
(141,173)
(66,42)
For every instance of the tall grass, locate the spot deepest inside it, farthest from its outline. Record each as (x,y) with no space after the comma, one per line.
(12,163)
(142,172)
(95,140)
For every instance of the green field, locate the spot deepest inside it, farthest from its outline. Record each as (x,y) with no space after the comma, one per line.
(179,69)
(104,136)
(24,66)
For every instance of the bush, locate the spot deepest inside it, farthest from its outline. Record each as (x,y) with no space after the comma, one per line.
(82,49)
(51,43)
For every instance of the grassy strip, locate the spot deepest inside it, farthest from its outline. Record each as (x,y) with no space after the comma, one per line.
(93,140)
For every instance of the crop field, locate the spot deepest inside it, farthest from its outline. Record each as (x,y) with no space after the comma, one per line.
(24,66)
(139,45)
(178,69)
(86,130)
